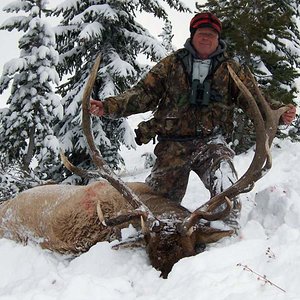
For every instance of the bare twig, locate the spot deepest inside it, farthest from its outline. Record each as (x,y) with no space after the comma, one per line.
(260,277)
(270,253)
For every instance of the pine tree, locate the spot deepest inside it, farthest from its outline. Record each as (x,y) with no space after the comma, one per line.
(13,180)
(263,35)
(26,125)
(167,37)
(88,28)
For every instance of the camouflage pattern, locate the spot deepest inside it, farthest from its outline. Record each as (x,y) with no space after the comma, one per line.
(185,130)
(175,160)
(165,90)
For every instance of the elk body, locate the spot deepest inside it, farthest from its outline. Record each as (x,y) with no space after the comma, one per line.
(64,218)
(70,219)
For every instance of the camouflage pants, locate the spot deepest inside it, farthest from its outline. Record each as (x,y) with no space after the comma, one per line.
(212,162)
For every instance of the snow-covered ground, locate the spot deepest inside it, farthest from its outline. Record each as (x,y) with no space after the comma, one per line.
(262,263)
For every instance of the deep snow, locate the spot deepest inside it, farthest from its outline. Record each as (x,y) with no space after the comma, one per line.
(268,244)
(262,263)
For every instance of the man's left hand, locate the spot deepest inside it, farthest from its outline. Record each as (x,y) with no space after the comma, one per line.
(289,115)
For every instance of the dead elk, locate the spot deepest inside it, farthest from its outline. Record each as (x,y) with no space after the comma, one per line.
(70,219)
(65,219)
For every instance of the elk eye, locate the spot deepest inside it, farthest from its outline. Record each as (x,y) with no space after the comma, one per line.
(200,247)
(155,229)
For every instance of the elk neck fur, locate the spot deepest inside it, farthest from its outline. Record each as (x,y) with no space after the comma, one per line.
(64,218)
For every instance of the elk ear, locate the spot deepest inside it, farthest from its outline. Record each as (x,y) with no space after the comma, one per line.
(206,235)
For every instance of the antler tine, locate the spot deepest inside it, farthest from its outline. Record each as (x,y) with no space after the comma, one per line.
(262,162)
(76,170)
(272,117)
(103,169)
(206,215)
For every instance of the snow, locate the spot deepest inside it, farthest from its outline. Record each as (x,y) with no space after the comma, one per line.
(119,66)
(148,43)
(104,9)
(262,262)
(13,20)
(13,65)
(68,4)
(91,31)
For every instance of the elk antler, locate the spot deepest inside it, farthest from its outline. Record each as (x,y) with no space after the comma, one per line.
(265,122)
(103,169)
(76,170)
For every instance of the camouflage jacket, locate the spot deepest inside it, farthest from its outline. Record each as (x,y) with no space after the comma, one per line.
(166,91)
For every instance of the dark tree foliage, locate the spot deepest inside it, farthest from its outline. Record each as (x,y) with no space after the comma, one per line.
(14,179)
(263,35)
(26,124)
(88,28)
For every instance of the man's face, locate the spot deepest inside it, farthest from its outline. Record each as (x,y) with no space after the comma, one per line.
(205,41)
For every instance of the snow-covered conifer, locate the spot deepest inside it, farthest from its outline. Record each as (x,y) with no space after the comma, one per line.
(265,36)
(109,28)
(167,37)
(26,124)
(13,180)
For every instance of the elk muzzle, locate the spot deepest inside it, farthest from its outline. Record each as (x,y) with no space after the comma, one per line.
(165,246)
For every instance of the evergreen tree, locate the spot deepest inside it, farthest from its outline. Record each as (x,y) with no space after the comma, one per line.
(26,125)
(13,180)
(167,37)
(263,35)
(88,28)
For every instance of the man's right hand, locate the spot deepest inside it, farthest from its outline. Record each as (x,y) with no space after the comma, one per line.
(96,108)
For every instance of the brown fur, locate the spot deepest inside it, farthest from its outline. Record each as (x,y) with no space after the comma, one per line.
(63,218)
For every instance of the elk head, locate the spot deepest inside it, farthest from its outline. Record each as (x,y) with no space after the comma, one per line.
(170,231)
(167,241)
(166,245)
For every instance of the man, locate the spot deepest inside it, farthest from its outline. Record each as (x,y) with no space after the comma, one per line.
(193,99)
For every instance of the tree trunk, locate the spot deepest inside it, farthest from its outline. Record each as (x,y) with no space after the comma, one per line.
(30,151)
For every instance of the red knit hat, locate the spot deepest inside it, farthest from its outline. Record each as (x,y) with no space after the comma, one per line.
(205,20)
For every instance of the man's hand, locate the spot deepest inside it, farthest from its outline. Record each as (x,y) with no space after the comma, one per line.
(289,115)
(96,108)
